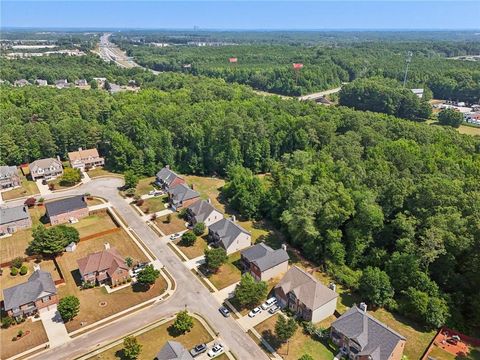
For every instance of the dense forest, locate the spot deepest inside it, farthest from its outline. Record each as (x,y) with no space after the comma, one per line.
(351,189)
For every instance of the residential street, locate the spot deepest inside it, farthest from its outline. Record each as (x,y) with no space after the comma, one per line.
(190,293)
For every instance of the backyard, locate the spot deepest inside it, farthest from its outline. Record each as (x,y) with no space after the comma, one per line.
(175,225)
(95,223)
(36,336)
(153,340)
(27,188)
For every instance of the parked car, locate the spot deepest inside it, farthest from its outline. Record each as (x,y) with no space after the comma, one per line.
(274,309)
(155,192)
(268,303)
(198,349)
(139,267)
(255,312)
(216,350)
(175,236)
(224,311)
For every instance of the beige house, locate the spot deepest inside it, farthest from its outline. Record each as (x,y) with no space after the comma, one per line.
(9,177)
(48,168)
(229,235)
(202,211)
(85,159)
(307,297)
(264,263)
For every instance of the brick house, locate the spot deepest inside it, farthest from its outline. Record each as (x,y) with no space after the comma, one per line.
(65,210)
(167,178)
(308,298)
(362,337)
(182,196)
(85,159)
(27,299)
(202,211)
(104,267)
(14,218)
(264,263)
(9,177)
(229,235)
(47,169)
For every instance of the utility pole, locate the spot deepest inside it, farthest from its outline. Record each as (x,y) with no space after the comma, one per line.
(408,60)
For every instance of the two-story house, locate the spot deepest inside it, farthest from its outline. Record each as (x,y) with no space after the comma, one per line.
(46,169)
(264,263)
(66,210)
(85,159)
(167,178)
(304,295)
(362,337)
(14,218)
(104,267)
(27,299)
(202,211)
(9,177)
(226,233)
(182,196)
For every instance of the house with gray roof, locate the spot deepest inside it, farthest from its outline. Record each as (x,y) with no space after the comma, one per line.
(41,82)
(264,263)
(27,299)
(48,168)
(9,177)
(363,337)
(21,83)
(66,210)
(173,350)
(182,196)
(304,295)
(13,219)
(167,178)
(202,211)
(227,234)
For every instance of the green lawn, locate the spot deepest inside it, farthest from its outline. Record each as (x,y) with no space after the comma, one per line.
(26,189)
(153,204)
(93,224)
(196,250)
(227,274)
(100,171)
(144,186)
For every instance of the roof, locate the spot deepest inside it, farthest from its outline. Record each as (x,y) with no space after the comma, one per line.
(264,257)
(12,214)
(228,231)
(39,284)
(108,259)
(181,193)
(375,338)
(83,154)
(63,206)
(167,175)
(44,163)
(7,171)
(306,288)
(201,210)
(173,350)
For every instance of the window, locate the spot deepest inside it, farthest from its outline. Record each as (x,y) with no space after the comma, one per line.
(46,298)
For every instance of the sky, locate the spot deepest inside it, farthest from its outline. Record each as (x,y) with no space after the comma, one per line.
(240,15)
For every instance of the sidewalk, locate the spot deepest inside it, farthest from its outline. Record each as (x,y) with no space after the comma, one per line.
(193,263)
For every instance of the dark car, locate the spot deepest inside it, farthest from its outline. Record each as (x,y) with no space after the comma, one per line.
(44,182)
(224,311)
(198,349)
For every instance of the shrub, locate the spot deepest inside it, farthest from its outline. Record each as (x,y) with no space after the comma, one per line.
(41,200)
(130,192)
(70,177)
(51,186)
(131,348)
(7,321)
(169,218)
(18,262)
(189,238)
(14,338)
(23,270)
(140,202)
(14,271)
(199,228)
(153,217)
(20,333)
(30,202)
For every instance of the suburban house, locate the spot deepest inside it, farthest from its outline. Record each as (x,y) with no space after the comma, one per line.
(363,337)
(39,292)
(182,196)
(9,177)
(167,178)
(229,235)
(21,83)
(66,210)
(264,263)
(85,159)
(62,83)
(48,168)
(104,267)
(41,82)
(203,212)
(14,218)
(81,83)
(173,350)
(307,297)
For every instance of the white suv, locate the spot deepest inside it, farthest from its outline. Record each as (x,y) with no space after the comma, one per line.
(268,303)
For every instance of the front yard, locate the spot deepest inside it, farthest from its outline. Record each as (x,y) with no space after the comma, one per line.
(154,204)
(192,252)
(95,223)
(28,188)
(153,340)
(144,186)
(100,171)
(36,336)
(175,225)
(228,274)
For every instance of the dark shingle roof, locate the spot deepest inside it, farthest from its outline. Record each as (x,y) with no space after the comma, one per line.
(201,210)
(173,350)
(264,256)
(227,230)
(12,214)
(39,284)
(65,205)
(167,175)
(375,338)
(182,193)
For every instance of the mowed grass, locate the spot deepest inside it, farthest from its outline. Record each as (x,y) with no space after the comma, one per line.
(100,171)
(300,343)
(93,224)
(194,251)
(208,187)
(144,186)
(174,226)
(153,340)
(469,130)
(154,204)
(36,337)
(27,188)
(228,273)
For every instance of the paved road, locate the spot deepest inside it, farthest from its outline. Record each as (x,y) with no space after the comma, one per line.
(320,94)
(190,292)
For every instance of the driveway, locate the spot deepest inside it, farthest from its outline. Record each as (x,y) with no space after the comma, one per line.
(54,327)
(247,322)
(43,189)
(225,293)
(190,293)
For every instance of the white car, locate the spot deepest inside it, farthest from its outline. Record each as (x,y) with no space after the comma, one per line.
(268,303)
(216,350)
(255,312)
(175,236)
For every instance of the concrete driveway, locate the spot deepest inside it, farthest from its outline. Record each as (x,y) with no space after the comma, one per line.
(247,322)
(43,189)
(54,327)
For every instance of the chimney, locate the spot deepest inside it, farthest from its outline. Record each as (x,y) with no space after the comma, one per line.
(107,245)
(284,247)
(332,286)
(234,218)
(58,158)
(363,307)
(167,166)
(209,201)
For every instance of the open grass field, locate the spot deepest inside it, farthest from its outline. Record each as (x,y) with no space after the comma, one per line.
(194,251)
(26,189)
(228,273)
(36,336)
(144,186)
(300,343)
(100,171)
(154,204)
(469,130)
(93,224)
(208,187)
(176,224)
(153,340)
